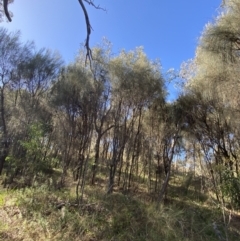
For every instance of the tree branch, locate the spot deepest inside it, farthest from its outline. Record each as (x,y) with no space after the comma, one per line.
(89,28)
(90,2)
(5,6)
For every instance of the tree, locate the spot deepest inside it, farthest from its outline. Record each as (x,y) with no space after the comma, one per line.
(136,84)
(12,54)
(26,76)
(72,99)
(213,91)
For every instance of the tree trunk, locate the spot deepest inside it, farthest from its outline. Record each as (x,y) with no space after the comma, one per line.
(135,149)
(5,143)
(2,161)
(166,181)
(96,161)
(111,177)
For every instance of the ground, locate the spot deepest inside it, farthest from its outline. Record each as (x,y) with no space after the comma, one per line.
(42,213)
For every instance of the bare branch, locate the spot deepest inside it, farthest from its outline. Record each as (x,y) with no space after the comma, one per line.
(90,2)
(5,6)
(89,28)
(88,25)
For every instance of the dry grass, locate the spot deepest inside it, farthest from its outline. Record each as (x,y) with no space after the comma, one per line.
(35,214)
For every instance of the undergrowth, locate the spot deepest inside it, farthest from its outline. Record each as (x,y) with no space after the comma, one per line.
(42,214)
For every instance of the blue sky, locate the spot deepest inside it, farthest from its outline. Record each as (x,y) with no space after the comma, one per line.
(168,29)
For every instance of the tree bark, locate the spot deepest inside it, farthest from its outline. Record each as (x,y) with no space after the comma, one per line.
(5,143)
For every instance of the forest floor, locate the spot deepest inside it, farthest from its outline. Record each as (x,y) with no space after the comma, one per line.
(42,214)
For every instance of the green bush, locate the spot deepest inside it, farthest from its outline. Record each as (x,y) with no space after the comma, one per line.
(231,187)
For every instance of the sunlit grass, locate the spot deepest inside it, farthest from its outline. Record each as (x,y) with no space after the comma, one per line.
(36,214)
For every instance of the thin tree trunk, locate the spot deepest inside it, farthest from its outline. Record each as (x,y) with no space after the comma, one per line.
(96,161)
(135,149)
(5,142)
(97,152)
(166,181)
